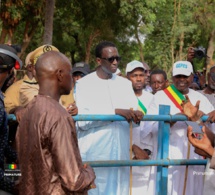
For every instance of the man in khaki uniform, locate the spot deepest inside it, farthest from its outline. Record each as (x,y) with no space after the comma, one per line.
(12,93)
(23,91)
(29,89)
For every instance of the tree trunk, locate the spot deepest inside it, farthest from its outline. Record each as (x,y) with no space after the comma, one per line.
(181,38)
(89,44)
(181,46)
(4,33)
(139,44)
(173,32)
(10,36)
(28,34)
(49,15)
(210,49)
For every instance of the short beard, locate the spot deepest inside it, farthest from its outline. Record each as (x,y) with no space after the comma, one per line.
(137,90)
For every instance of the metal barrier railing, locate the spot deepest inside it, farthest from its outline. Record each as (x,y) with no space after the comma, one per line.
(162,161)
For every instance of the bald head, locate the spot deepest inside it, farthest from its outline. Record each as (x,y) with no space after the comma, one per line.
(53,72)
(49,62)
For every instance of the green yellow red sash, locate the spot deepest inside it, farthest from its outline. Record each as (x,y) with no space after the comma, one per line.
(175,96)
(141,107)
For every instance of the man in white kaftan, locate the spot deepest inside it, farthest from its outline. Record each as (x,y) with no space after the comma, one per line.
(142,175)
(142,143)
(103,92)
(178,148)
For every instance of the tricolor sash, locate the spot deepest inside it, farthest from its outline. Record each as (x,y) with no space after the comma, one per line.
(175,96)
(141,107)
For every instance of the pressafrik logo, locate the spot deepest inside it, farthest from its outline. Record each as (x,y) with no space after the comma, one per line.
(12,171)
(203,173)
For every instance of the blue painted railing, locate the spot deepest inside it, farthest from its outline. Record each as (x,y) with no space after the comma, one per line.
(162,161)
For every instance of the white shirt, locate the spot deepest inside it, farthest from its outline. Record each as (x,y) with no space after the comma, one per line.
(105,140)
(179,144)
(143,176)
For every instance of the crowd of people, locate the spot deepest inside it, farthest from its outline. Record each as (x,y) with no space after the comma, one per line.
(50,147)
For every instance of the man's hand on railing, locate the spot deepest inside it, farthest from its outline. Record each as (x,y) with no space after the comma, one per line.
(139,154)
(130,115)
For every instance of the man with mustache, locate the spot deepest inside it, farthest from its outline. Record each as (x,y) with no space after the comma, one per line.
(173,96)
(158,80)
(142,148)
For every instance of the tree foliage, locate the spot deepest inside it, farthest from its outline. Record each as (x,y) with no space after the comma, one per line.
(178,26)
(156,31)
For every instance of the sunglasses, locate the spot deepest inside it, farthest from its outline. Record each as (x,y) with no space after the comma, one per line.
(111,59)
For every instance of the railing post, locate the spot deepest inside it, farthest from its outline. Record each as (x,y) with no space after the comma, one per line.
(163,151)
